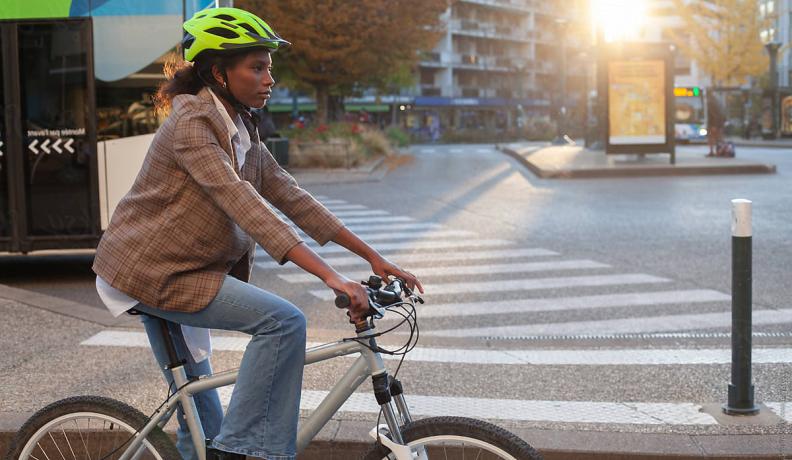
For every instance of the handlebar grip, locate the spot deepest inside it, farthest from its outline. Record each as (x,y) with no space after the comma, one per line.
(342,301)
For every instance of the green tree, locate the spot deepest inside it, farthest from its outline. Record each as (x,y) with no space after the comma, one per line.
(341,46)
(723,38)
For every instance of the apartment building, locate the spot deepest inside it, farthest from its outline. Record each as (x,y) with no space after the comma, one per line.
(497,55)
(779,30)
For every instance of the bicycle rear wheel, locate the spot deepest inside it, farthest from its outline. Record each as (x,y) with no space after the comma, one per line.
(87,427)
(450,438)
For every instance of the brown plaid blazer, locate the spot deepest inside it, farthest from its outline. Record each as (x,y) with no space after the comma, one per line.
(192,216)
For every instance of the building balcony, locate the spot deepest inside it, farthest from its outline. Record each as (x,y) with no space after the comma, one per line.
(516,6)
(468,28)
(477,62)
(431,91)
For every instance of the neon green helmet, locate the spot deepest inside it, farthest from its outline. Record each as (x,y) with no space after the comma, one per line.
(225,29)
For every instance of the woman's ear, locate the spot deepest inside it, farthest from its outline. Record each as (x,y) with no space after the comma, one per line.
(218,76)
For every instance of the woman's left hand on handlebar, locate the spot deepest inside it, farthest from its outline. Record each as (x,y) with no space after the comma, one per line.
(384,268)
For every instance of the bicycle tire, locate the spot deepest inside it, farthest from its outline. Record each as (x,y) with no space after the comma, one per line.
(49,433)
(449,437)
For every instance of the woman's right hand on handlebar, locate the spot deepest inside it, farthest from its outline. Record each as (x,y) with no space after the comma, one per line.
(358,296)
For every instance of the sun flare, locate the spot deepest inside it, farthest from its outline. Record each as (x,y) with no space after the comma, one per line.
(619,19)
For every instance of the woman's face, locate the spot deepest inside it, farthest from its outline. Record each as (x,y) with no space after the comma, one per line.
(250,80)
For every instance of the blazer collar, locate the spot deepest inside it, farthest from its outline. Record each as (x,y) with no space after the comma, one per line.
(219,123)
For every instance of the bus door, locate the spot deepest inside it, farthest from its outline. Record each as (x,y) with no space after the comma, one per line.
(48,167)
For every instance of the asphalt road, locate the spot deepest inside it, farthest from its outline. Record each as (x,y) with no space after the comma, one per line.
(536,268)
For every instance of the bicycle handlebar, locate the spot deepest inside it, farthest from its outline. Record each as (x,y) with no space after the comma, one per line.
(378,297)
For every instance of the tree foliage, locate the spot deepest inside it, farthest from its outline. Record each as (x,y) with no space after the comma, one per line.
(723,38)
(340,46)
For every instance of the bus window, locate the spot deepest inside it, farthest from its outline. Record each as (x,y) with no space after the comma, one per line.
(5,220)
(689,119)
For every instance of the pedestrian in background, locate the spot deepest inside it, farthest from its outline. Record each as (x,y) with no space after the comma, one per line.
(716,119)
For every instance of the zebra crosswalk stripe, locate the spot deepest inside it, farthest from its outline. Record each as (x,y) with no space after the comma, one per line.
(422,273)
(574,357)
(504,307)
(351,213)
(427,234)
(618,326)
(439,244)
(483,287)
(376,219)
(520,410)
(418,258)
(394,227)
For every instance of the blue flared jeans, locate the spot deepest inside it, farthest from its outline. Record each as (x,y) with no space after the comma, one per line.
(261,420)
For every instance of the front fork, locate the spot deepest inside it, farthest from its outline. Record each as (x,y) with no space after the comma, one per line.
(387,389)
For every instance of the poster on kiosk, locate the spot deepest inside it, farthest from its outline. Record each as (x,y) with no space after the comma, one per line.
(639,82)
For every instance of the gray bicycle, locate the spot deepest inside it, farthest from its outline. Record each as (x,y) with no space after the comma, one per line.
(98,428)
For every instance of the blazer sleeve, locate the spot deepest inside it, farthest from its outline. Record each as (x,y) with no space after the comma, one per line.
(198,152)
(280,189)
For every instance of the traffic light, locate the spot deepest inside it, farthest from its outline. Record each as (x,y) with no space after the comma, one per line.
(694,91)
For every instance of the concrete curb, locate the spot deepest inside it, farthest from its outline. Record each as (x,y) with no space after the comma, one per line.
(370,172)
(760,144)
(632,171)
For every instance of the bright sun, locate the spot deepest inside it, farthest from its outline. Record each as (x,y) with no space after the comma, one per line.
(619,19)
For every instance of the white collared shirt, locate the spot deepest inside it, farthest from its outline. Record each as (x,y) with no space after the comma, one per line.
(198,340)
(240,138)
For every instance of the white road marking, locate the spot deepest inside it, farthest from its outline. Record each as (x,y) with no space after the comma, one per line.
(617,326)
(344,207)
(440,244)
(409,235)
(526,284)
(352,213)
(643,413)
(502,307)
(582,357)
(407,259)
(394,227)
(525,267)
(377,220)
(783,410)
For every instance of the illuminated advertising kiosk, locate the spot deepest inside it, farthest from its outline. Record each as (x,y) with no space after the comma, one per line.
(638,85)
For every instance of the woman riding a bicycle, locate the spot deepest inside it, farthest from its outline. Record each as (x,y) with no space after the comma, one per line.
(180,244)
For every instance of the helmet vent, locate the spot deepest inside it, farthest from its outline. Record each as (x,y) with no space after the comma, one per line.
(248,28)
(225,17)
(225,33)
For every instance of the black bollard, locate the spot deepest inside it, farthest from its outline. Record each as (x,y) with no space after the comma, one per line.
(741,389)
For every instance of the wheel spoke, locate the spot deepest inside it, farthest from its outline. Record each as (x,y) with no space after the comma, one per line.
(68,443)
(56,446)
(43,451)
(101,436)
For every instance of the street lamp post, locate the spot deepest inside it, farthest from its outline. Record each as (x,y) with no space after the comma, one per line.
(561,136)
(772,51)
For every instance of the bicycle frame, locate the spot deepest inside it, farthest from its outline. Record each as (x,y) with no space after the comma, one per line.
(369,364)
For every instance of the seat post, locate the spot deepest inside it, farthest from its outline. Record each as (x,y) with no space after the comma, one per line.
(173,358)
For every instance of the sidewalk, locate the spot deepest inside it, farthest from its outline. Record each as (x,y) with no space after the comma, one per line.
(571,162)
(784,143)
(36,372)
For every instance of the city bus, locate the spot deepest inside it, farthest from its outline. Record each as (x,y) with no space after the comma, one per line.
(690,124)
(76,118)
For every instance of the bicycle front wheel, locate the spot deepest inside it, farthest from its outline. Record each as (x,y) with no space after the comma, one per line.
(451,438)
(87,427)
